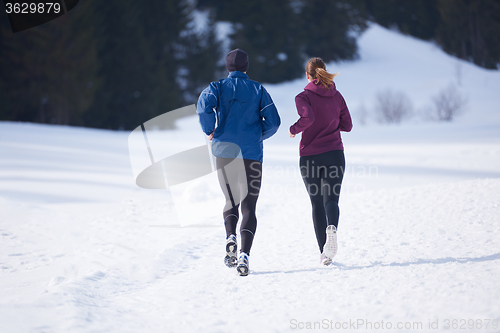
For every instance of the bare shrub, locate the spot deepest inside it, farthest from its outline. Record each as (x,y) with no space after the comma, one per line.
(362,114)
(448,103)
(393,107)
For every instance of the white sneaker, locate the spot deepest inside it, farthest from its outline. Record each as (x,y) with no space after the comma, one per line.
(325,260)
(231,249)
(243,265)
(330,248)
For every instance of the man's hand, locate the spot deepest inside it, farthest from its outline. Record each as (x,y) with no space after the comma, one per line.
(211,136)
(290,134)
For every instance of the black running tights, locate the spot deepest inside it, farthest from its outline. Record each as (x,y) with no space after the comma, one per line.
(322,175)
(248,202)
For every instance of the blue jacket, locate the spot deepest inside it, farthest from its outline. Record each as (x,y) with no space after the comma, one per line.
(243,111)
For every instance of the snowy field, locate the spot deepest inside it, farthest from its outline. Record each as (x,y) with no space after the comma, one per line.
(83,249)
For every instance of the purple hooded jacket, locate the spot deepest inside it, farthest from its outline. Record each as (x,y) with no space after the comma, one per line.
(323,114)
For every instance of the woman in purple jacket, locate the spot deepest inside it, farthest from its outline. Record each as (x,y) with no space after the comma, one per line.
(323,114)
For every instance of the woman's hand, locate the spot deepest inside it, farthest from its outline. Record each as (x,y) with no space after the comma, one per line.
(290,134)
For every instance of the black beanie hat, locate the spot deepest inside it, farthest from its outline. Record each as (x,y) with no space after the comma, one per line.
(237,60)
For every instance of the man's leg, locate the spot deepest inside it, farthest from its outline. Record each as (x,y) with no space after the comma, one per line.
(230,213)
(248,205)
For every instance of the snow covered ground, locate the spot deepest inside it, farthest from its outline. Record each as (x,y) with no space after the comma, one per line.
(85,250)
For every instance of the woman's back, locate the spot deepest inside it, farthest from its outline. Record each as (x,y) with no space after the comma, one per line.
(324,115)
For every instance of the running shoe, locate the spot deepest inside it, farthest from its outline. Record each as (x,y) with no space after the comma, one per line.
(231,257)
(330,248)
(243,266)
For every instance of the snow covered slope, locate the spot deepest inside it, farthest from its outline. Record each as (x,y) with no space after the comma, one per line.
(82,249)
(419,69)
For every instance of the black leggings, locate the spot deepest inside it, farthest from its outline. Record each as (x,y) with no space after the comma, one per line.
(245,180)
(322,175)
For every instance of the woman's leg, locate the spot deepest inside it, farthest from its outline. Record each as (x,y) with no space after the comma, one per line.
(249,203)
(313,183)
(332,182)
(322,175)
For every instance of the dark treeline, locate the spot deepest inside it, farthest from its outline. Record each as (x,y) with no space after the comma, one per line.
(106,64)
(279,35)
(467,29)
(115,64)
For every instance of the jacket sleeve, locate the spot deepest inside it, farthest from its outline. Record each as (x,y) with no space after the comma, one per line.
(305,112)
(269,114)
(207,102)
(345,118)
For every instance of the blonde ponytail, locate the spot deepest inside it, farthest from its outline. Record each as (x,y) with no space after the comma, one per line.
(325,78)
(316,69)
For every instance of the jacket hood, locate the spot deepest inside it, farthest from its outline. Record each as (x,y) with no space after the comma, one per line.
(320,90)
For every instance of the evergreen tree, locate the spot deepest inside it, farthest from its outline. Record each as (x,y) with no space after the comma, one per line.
(49,72)
(200,58)
(129,66)
(147,58)
(470,29)
(112,64)
(418,18)
(330,28)
(268,32)
(280,35)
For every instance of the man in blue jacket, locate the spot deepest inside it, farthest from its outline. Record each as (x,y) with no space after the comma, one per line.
(237,115)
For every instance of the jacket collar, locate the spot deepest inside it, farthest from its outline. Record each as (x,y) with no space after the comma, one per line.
(238,74)
(320,90)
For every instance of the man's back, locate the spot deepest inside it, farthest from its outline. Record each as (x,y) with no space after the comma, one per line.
(245,114)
